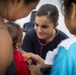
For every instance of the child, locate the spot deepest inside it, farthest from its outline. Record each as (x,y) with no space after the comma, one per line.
(16,33)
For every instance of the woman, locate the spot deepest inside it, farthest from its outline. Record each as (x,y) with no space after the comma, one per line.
(64,61)
(45,36)
(11,10)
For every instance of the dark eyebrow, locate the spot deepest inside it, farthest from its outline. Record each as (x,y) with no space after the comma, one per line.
(44,25)
(35,23)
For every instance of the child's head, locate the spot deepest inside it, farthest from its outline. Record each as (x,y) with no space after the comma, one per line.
(16,34)
(69,14)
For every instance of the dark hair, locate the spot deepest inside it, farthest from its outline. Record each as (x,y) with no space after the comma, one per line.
(31,1)
(66,4)
(26,1)
(15,31)
(50,11)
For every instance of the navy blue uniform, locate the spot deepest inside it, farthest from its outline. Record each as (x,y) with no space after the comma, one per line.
(32,43)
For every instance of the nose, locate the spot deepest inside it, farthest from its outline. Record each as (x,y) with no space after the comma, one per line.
(39,29)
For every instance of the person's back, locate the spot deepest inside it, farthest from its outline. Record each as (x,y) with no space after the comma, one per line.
(16,34)
(65,58)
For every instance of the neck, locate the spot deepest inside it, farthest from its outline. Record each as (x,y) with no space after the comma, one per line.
(50,38)
(1,21)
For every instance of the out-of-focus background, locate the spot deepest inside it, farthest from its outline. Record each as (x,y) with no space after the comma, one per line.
(61,25)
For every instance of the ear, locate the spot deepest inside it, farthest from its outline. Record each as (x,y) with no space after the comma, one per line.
(56,25)
(73,10)
(16,2)
(18,45)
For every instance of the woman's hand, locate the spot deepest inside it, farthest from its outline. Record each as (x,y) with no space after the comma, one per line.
(39,61)
(34,70)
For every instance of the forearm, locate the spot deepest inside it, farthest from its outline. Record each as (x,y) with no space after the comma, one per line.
(42,63)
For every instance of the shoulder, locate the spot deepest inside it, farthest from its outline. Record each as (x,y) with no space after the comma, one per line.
(4,36)
(17,54)
(68,43)
(31,33)
(61,33)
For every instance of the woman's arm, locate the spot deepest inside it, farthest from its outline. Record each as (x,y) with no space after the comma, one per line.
(6,53)
(39,61)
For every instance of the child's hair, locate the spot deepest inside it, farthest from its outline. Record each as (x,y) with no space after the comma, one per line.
(16,33)
(66,5)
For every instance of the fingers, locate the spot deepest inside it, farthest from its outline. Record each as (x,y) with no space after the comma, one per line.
(39,61)
(34,70)
(31,69)
(30,61)
(32,56)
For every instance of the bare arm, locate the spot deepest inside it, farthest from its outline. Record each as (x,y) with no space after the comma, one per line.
(6,53)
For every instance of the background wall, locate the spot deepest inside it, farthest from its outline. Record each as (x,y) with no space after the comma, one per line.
(61,25)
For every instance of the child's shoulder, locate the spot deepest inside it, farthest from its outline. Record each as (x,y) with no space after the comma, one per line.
(67,43)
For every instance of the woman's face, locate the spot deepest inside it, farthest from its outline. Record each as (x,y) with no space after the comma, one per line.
(20,10)
(70,18)
(70,23)
(43,27)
